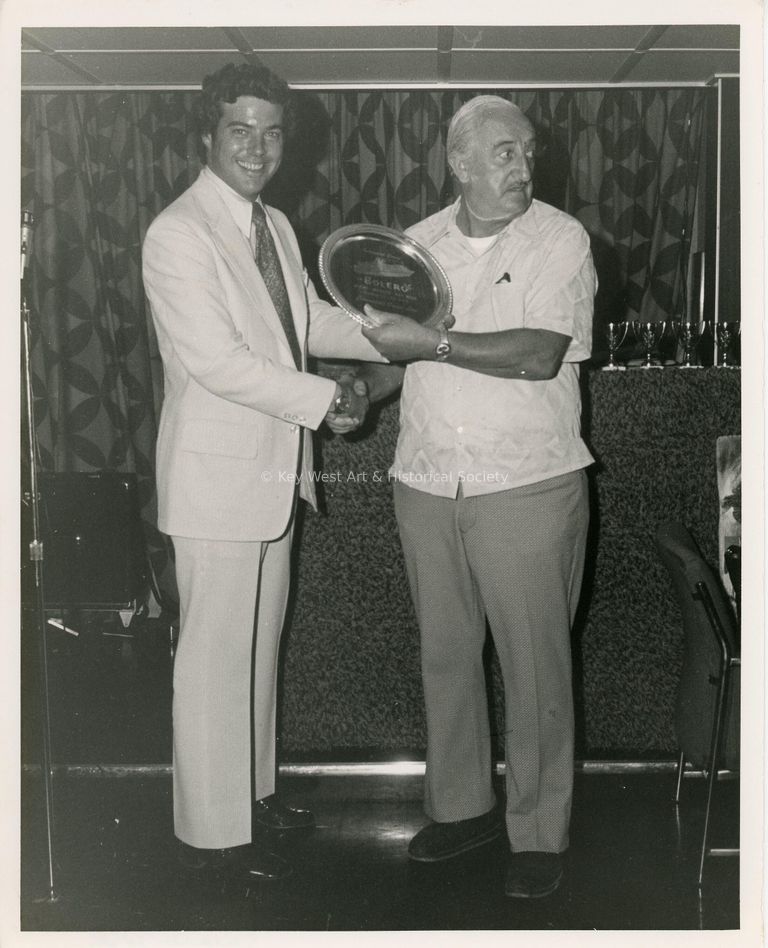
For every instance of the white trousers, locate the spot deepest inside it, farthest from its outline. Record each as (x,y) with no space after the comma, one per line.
(233,599)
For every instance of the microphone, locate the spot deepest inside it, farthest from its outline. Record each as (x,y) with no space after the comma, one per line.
(27,223)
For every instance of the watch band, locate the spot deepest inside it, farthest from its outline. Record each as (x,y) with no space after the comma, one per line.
(443,348)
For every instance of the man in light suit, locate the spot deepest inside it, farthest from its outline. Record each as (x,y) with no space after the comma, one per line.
(235,315)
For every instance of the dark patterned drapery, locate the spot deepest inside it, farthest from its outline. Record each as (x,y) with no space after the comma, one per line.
(97,167)
(625,162)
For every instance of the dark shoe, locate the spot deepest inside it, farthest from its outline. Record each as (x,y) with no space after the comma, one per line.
(533,875)
(270,814)
(250,861)
(438,841)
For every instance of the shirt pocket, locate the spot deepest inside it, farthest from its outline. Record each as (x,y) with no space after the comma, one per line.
(508,304)
(219,438)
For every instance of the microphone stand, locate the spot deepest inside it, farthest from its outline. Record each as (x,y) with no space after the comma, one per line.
(36,553)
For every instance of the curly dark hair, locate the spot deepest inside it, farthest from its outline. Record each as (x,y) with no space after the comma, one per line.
(232,81)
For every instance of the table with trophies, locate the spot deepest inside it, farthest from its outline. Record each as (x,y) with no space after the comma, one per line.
(668,388)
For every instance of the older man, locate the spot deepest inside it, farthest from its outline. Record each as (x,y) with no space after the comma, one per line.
(491,495)
(235,313)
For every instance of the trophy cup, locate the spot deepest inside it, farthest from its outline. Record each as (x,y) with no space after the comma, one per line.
(725,337)
(688,334)
(615,334)
(649,334)
(705,344)
(668,343)
(368,263)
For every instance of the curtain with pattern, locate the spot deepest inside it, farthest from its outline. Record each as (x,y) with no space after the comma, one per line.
(97,167)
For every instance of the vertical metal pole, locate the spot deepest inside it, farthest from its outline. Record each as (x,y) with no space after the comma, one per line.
(36,557)
(718,211)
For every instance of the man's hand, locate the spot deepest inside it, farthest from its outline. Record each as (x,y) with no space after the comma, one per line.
(399,338)
(355,392)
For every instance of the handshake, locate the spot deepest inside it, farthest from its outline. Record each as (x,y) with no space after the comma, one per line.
(400,340)
(350,404)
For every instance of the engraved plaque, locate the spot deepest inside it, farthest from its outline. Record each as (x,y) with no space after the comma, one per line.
(368,263)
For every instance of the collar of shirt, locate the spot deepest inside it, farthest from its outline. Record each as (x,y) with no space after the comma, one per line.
(526,225)
(239,207)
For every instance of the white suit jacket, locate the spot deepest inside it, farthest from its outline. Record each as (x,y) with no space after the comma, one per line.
(235,407)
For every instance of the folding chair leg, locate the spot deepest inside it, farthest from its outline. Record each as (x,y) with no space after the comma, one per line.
(713,756)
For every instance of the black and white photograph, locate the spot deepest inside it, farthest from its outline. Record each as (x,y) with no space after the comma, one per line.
(375,480)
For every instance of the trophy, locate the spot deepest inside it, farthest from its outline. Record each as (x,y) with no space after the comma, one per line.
(688,334)
(705,344)
(668,342)
(368,263)
(615,334)
(649,334)
(725,337)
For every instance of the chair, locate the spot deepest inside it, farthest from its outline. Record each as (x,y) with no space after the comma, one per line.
(707,707)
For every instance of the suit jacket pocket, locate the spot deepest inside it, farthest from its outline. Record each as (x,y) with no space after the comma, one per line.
(221,438)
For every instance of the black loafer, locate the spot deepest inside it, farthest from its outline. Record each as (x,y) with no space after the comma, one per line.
(438,841)
(270,814)
(533,875)
(249,861)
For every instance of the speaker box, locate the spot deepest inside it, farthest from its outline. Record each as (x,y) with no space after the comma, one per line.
(93,547)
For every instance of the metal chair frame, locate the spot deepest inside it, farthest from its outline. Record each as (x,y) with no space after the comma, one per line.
(728,661)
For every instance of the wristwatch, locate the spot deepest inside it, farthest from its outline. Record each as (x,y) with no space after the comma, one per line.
(341,403)
(443,348)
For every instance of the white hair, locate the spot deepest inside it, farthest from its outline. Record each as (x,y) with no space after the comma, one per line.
(466,121)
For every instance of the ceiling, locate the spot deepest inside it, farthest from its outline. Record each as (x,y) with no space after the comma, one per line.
(366,56)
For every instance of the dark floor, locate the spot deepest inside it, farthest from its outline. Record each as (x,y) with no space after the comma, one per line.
(632,864)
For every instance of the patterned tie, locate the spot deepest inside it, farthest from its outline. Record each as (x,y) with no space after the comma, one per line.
(268,263)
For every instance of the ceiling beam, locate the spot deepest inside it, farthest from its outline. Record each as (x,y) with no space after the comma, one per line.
(650,38)
(31,40)
(237,38)
(445,37)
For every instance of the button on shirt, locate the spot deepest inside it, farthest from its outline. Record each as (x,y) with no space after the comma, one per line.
(460,428)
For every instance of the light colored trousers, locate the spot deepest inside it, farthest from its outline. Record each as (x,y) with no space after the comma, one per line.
(233,599)
(517,558)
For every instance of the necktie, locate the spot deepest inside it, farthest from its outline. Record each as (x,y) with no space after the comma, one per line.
(265,255)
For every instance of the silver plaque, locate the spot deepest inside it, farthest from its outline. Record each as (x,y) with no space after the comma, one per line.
(368,263)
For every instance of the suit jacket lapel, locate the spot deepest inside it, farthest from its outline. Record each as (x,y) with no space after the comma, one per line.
(236,251)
